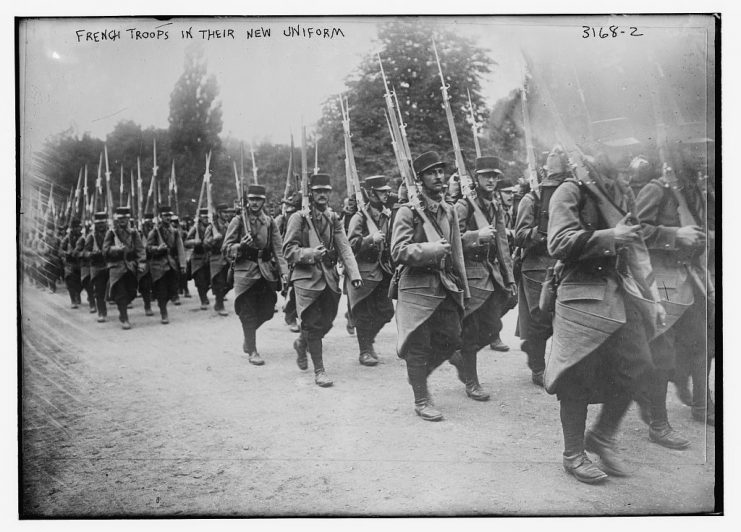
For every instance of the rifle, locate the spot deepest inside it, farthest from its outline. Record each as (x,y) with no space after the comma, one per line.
(139,191)
(350,157)
(129,203)
(254,167)
(84,199)
(636,275)
(316,155)
(121,188)
(209,199)
(289,177)
(314,239)
(529,150)
(467,188)
(474,126)
(240,193)
(175,188)
(405,164)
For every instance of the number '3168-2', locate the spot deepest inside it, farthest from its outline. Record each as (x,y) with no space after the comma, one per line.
(612,31)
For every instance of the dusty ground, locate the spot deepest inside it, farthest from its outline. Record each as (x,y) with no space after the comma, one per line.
(172,420)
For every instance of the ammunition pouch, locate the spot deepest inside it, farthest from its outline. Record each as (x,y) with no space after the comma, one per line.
(330,258)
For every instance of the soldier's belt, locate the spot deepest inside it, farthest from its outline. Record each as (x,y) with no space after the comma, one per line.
(255,254)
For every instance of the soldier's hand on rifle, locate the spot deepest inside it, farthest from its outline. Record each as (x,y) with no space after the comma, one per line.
(246,240)
(378,237)
(446,246)
(162,247)
(690,236)
(357,283)
(320,251)
(284,279)
(487,235)
(625,233)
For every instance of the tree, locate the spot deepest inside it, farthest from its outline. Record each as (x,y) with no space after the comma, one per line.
(195,122)
(409,63)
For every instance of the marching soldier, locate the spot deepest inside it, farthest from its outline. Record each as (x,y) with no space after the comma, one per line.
(218,265)
(184,227)
(675,258)
(489,273)
(47,248)
(292,203)
(256,251)
(531,235)
(72,274)
(180,278)
(85,278)
(145,275)
(93,251)
(370,305)
(432,283)
(124,253)
(168,256)
(349,208)
(199,263)
(314,276)
(600,351)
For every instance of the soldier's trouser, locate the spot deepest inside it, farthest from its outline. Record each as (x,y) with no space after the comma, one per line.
(123,293)
(255,307)
(51,274)
(290,310)
(87,285)
(431,344)
(219,287)
(183,280)
(145,289)
(316,321)
(74,285)
(165,288)
(100,281)
(689,337)
(372,313)
(479,329)
(612,374)
(202,280)
(535,326)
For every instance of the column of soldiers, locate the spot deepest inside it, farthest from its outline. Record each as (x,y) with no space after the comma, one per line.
(451,293)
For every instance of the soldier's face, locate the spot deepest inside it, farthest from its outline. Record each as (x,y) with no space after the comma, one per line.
(382,196)
(488,181)
(434,179)
(99,226)
(123,222)
(166,218)
(203,218)
(255,204)
(320,196)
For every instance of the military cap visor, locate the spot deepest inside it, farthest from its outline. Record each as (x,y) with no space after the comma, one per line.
(488,164)
(427,161)
(320,181)
(256,191)
(377,182)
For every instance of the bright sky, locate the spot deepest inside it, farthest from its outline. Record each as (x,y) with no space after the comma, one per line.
(267,84)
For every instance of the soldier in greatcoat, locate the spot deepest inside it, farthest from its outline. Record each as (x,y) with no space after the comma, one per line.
(72,274)
(168,256)
(432,284)
(145,275)
(531,235)
(675,258)
(199,261)
(292,204)
(85,278)
(349,208)
(93,252)
(218,265)
(370,305)
(259,267)
(315,278)
(124,253)
(489,272)
(600,351)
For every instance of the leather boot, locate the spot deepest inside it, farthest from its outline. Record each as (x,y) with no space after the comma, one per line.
(148,308)
(582,468)
(123,317)
(255,359)
(93,307)
(299,344)
(606,448)
(316,353)
(163,314)
(102,317)
(365,357)
(465,364)
(219,307)
(661,432)
(498,345)
(423,406)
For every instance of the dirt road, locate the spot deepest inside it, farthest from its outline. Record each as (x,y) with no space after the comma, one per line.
(172,420)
